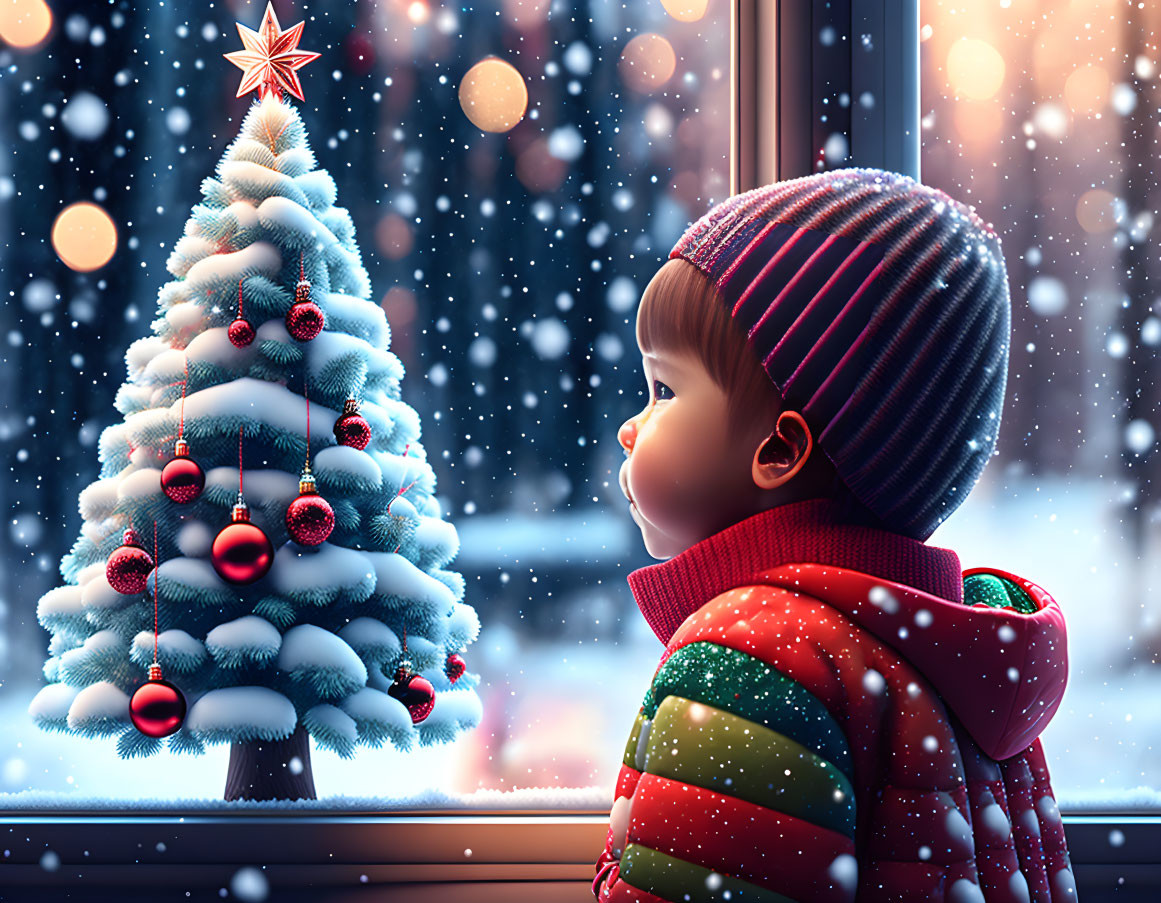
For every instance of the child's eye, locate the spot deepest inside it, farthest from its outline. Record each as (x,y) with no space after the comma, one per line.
(658,387)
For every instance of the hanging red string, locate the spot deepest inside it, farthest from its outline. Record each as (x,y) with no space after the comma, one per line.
(403,489)
(240,298)
(184,383)
(239,461)
(301,267)
(155,574)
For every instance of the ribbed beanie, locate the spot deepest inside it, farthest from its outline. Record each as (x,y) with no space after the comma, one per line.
(879,308)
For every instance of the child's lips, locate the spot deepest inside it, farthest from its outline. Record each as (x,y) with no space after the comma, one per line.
(624,483)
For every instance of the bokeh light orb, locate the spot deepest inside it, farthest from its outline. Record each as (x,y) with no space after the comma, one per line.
(685,10)
(393,236)
(526,14)
(1087,89)
(400,306)
(538,170)
(1051,119)
(418,12)
(658,121)
(24,23)
(1096,210)
(647,62)
(84,236)
(975,69)
(493,95)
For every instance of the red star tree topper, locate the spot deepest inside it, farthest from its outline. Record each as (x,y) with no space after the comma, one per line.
(270,58)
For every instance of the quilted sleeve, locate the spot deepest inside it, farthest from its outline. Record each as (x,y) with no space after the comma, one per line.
(738,780)
(608,863)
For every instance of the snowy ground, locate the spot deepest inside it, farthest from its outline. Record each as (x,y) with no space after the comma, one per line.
(556,717)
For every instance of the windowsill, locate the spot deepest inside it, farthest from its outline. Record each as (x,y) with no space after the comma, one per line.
(481,855)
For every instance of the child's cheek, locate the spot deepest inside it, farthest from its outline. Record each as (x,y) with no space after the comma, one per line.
(665,471)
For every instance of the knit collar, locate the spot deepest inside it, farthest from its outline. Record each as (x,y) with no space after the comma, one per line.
(804,531)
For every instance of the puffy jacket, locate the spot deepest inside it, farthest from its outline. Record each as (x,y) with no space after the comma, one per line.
(818,731)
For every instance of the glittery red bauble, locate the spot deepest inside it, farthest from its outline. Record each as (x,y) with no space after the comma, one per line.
(241,333)
(182,478)
(351,428)
(415,692)
(129,567)
(305,320)
(241,552)
(454,667)
(310,519)
(157,708)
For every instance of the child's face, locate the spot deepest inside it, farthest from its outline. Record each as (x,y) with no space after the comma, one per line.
(684,476)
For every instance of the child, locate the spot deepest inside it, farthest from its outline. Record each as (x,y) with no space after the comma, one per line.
(840,713)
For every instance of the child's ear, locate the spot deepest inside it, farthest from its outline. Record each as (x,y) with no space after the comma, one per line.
(783,453)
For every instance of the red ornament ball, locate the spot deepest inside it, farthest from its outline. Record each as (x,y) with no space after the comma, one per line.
(454,667)
(352,428)
(157,708)
(415,692)
(182,479)
(310,519)
(305,320)
(241,552)
(241,333)
(129,567)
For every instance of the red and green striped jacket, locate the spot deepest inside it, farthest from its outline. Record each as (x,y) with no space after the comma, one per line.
(823,734)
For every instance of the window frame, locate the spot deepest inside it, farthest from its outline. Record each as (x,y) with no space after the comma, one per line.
(410,855)
(496,854)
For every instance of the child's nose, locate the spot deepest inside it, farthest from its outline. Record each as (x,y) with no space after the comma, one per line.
(627,434)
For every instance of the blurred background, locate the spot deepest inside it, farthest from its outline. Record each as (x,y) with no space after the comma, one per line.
(509,263)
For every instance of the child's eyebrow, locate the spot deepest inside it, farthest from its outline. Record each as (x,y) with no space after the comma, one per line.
(666,362)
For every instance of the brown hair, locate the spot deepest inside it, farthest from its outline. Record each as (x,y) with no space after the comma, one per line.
(682,311)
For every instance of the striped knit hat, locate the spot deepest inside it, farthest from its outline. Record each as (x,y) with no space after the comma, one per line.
(879,308)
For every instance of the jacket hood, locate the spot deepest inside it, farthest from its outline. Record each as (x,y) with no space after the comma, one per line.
(1002,671)
(992,644)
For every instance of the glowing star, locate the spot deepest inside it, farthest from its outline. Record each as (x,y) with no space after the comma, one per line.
(270,58)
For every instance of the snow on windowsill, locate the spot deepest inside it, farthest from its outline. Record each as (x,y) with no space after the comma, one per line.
(555,800)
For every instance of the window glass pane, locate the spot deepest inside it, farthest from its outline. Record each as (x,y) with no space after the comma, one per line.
(1049,138)
(508,264)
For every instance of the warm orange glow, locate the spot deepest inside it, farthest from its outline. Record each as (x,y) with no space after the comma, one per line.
(685,10)
(975,69)
(1096,210)
(24,23)
(84,236)
(647,62)
(493,95)
(418,12)
(977,124)
(1087,89)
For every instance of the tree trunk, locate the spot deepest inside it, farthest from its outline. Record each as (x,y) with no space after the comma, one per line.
(262,770)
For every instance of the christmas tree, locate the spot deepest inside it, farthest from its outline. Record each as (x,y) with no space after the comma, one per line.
(263,558)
